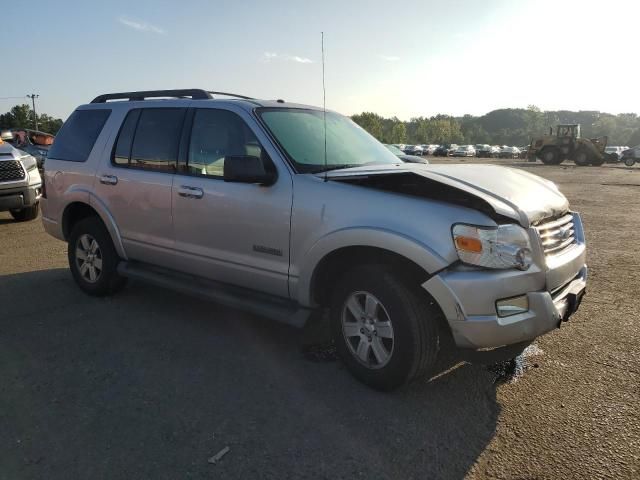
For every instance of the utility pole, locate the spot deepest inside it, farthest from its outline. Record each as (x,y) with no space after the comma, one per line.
(33,97)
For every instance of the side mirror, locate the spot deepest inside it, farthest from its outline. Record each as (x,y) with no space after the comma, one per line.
(248,169)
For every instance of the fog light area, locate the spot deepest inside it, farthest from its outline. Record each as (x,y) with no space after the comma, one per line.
(512,306)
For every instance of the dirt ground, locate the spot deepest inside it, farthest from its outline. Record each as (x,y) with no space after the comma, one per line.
(151,384)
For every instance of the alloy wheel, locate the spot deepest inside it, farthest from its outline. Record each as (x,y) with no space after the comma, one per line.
(88,258)
(367,330)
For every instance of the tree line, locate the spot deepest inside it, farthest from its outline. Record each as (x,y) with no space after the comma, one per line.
(21,116)
(507,126)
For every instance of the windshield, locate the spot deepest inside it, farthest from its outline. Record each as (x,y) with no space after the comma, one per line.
(301,134)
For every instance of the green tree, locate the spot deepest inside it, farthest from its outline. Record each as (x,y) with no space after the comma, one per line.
(21,116)
(371,122)
(399,133)
(47,123)
(634,139)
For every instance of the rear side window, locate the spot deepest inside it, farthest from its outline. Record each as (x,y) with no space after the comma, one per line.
(150,138)
(122,152)
(76,138)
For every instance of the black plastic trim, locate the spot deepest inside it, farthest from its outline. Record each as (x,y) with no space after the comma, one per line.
(193,93)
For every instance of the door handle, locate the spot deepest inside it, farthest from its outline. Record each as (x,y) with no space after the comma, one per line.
(190,192)
(108,179)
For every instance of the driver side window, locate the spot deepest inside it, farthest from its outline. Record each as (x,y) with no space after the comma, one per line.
(215,135)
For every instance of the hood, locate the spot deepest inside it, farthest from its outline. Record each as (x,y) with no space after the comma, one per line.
(511,193)
(8,152)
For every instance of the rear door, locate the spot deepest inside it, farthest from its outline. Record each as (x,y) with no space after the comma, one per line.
(235,233)
(136,183)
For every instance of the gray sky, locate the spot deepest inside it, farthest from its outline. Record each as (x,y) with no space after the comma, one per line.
(402,58)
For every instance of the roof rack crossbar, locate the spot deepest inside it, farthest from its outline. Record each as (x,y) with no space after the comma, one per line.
(193,93)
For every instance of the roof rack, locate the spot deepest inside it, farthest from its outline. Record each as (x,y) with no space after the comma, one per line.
(193,93)
(231,95)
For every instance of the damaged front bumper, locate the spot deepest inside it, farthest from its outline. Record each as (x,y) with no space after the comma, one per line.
(475,322)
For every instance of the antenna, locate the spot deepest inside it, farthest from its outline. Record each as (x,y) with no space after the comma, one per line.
(324,109)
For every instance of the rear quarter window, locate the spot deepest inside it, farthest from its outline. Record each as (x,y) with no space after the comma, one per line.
(77,136)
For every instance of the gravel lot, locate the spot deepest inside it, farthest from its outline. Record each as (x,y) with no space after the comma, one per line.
(150,383)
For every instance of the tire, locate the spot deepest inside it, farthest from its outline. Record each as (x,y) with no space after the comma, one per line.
(550,156)
(582,158)
(26,214)
(100,275)
(401,346)
(629,161)
(597,162)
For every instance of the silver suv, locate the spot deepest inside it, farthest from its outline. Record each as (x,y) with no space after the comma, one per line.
(286,210)
(20,183)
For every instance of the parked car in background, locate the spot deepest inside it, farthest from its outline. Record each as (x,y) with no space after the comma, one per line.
(33,142)
(509,152)
(445,150)
(398,258)
(485,151)
(403,156)
(464,151)
(524,152)
(20,183)
(412,150)
(429,149)
(630,156)
(615,151)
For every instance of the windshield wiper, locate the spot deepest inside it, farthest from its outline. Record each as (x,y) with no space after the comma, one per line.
(338,167)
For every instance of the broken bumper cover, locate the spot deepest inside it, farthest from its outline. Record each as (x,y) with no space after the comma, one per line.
(546,309)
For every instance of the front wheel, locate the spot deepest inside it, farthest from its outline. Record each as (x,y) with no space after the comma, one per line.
(629,161)
(550,156)
(386,332)
(93,259)
(582,158)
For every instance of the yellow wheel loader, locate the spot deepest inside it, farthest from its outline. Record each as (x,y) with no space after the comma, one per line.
(567,144)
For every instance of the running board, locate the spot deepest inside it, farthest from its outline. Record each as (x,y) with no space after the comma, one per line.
(275,308)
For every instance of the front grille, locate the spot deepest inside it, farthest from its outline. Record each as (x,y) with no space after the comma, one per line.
(11,171)
(557,235)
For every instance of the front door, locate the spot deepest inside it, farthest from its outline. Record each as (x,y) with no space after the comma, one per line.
(234,233)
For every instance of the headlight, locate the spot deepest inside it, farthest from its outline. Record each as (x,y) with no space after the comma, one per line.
(505,246)
(29,163)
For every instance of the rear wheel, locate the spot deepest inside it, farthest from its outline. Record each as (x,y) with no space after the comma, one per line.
(597,161)
(550,156)
(26,214)
(93,259)
(629,161)
(385,331)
